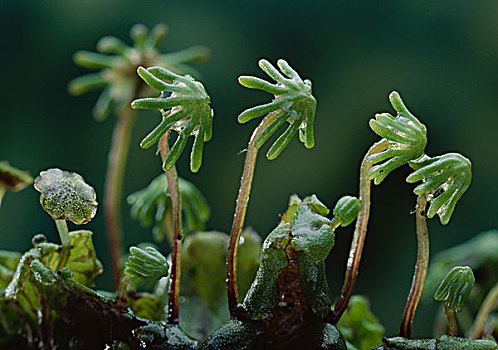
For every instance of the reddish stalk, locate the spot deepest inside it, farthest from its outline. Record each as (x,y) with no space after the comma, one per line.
(240,213)
(359,233)
(488,305)
(176,255)
(113,188)
(420,268)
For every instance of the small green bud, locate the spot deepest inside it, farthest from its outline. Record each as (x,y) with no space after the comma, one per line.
(346,210)
(456,287)
(146,263)
(66,196)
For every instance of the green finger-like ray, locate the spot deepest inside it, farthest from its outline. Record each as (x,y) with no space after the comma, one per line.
(178,146)
(159,103)
(383,131)
(104,105)
(260,84)
(284,139)
(85,83)
(287,70)
(93,60)
(272,72)
(271,129)
(261,110)
(163,126)
(197,147)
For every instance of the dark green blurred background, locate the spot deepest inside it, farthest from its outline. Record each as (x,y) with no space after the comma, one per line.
(441,56)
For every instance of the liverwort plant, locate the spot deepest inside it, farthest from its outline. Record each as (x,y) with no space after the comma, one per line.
(185,108)
(293,104)
(66,196)
(12,179)
(454,290)
(445,178)
(403,139)
(117,77)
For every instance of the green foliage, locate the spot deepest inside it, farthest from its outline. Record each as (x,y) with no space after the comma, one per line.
(314,284)
(445,179)
(146,263)
(405,135)
(263,293)
(25,292)
(293,103)
(185,107)
(346,210)
(153,204)
(66,196)
(118,63)
(455,289)
(311,231)
(359,326)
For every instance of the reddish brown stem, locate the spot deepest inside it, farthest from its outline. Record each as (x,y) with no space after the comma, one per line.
(113,188)
(359,233)
(420,269)
(452,321)
(176,255)
(240,214)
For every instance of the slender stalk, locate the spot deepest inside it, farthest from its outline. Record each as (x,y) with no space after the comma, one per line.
(489,304)
(240,213)
(66,242)
(420,268)
(118,155)
(121,301)
(176,256)
(452,321)
(359,233)
(3,189)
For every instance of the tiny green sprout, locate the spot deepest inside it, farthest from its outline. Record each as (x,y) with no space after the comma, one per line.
(66,196)
(118,63)
(454,290)
(153,204)
(146,263)
(445,179)
(293,103)
(12,178)
(406,138)
(185,107)
(346,210)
